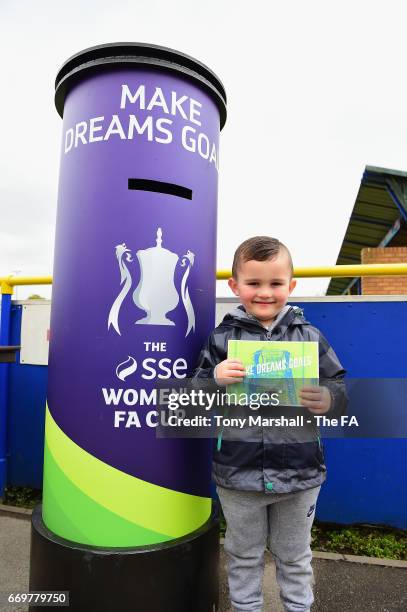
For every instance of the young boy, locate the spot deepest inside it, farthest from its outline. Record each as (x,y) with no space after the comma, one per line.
(268,486)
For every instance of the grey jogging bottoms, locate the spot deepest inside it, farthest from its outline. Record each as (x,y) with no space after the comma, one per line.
(285,519)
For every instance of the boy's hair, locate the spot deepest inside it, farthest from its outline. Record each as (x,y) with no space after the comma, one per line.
(259,248)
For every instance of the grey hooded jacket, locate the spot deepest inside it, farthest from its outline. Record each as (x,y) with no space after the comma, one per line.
(273,459)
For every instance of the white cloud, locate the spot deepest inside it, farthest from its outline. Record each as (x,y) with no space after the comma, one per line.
(316,91)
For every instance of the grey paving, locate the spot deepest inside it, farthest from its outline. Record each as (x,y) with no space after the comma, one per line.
(14,557)
(340,586)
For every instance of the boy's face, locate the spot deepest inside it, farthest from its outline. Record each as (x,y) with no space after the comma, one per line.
(263,287)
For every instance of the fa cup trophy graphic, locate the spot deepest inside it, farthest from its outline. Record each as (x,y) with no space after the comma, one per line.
(156,293)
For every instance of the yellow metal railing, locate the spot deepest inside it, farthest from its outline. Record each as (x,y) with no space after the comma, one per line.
(8,282)
(331,271)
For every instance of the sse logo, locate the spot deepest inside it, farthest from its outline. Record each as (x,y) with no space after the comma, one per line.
(153,368)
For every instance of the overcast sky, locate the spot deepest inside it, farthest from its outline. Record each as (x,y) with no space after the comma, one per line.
(316,91)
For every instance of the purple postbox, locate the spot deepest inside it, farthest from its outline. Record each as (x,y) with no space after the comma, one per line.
(133,301)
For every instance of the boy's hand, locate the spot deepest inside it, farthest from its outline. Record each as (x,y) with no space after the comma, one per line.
(317,399)
(229,371)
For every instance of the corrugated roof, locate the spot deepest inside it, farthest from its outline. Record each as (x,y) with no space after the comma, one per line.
(379,213)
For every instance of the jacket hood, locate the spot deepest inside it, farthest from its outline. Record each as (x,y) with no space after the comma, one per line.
(289,315)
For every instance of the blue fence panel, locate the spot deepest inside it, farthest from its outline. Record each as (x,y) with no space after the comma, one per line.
(367,482)
(26,415)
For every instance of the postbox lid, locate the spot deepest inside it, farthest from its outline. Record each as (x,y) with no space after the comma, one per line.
(94,58)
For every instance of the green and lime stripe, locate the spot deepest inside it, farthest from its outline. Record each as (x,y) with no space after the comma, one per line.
(90,502)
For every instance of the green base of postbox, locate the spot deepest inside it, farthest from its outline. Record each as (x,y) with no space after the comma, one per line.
(176,576)
(90,502)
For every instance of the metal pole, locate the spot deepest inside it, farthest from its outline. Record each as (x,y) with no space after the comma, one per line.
(6,291)
(398,269)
